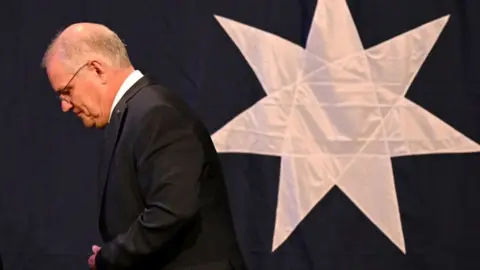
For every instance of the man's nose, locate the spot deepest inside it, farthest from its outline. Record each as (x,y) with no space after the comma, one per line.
(66,106)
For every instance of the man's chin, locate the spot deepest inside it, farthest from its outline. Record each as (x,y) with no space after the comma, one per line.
(92,124)
(88,123)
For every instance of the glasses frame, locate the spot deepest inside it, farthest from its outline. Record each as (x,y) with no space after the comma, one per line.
(62,92)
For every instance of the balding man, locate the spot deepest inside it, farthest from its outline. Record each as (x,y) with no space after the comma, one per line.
(163,200)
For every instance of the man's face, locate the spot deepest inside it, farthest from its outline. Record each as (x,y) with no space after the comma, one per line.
(81,91)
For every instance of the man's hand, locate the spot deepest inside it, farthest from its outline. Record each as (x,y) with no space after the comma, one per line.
(91,260)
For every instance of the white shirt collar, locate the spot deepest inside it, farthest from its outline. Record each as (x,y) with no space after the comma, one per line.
(129,82)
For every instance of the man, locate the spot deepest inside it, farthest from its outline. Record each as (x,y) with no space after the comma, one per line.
(163,200)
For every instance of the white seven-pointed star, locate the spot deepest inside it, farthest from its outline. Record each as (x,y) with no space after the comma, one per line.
(336,114)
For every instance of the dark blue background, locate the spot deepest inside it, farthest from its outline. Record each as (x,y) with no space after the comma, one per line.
(48,161)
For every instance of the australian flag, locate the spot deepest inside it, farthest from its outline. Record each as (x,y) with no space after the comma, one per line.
(435,188)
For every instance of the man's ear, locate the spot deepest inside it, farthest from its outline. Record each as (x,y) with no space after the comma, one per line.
(99,70)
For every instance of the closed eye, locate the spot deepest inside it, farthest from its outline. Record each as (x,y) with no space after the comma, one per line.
(64,91)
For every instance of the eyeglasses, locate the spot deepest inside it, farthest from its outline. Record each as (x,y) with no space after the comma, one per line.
(63,92)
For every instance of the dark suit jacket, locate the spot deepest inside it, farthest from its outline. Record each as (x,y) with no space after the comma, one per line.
(163,201)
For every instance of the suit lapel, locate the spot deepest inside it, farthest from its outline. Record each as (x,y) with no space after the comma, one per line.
(113,131)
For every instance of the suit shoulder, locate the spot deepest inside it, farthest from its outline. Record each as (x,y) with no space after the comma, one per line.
(155,103)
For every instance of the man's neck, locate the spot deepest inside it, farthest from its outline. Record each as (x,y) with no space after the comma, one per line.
(120,76)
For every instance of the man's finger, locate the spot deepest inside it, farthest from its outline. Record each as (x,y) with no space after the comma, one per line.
(91,261)
(95,248)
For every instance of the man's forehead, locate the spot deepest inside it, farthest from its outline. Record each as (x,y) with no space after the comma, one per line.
(57,74)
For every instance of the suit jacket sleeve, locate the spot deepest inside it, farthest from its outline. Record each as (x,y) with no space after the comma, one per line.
(169,161)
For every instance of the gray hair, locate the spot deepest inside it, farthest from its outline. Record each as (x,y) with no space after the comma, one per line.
(99,43)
